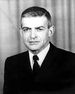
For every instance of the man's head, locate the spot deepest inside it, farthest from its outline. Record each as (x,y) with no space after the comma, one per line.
(36,28)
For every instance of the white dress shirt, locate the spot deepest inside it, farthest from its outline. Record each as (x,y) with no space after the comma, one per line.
(40,55)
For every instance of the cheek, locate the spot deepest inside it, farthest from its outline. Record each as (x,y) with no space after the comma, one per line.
(44,36)
(25,36)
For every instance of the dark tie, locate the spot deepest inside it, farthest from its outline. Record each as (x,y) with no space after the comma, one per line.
(36,65)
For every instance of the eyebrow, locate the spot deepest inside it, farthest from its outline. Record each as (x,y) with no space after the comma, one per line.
(35,27)
(26,27)
(39,27)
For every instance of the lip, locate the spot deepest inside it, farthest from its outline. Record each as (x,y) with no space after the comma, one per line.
(33,42)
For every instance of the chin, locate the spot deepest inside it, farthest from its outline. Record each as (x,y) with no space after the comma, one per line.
(34,50)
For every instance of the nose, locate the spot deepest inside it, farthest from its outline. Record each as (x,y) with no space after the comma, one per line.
(33,34)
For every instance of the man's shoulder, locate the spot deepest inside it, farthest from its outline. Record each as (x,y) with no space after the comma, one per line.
(14,59)
(61,50)
(62,55)
(18,55)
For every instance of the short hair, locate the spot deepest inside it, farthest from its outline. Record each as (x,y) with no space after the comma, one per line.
(36,11)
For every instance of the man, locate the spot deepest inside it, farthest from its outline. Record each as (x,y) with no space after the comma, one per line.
(55,70)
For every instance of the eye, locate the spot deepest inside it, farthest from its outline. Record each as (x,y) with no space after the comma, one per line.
(40,29)
(25,29)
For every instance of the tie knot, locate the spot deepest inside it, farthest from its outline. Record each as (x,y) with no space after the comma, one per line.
(35,58)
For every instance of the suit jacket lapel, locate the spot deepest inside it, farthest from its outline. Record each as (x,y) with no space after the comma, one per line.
(26,61)
(48,61)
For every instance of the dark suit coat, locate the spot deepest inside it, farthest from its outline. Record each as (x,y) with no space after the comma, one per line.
(55,75)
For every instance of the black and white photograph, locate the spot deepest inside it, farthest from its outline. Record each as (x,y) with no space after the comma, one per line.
(37,46)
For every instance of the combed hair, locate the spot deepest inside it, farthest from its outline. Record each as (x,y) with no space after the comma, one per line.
(36,11)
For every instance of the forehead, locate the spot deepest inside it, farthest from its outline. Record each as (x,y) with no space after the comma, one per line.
(34,21)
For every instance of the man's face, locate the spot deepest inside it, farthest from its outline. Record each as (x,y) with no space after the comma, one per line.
(35,32)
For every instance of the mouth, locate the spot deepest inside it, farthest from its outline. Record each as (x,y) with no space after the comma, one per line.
(33,42)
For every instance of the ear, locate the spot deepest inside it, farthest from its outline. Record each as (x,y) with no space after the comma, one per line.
(21,32)
(51,30)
